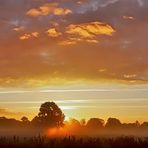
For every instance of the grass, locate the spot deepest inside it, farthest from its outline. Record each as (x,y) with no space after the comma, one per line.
(73,142)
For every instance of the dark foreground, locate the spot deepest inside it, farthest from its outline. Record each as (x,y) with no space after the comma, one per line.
(72,142)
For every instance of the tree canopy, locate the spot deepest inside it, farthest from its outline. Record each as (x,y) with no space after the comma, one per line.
(49,114)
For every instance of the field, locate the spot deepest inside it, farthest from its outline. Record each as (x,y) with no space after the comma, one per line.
(73,142)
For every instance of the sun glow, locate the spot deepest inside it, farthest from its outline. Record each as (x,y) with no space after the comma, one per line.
(58,132)
(70,127)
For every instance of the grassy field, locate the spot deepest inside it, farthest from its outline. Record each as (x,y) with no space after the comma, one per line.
(72,142)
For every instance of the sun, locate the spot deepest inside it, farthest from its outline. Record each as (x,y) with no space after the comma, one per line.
(67,118)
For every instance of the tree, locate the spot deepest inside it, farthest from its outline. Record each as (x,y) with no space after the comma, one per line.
(131,125)
(49,115)
(83,122)
(144,125)
(24,119)
(95,123)
(113,123)
(74,123)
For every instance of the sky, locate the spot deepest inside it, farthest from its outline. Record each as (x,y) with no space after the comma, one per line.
(89,56)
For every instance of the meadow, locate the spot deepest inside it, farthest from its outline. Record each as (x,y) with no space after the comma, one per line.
(73,142)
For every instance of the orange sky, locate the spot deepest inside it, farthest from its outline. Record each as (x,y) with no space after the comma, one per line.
(72,44)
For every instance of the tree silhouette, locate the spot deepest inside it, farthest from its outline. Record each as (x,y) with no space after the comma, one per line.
(144,125)
(24,119)
(83,122)
(49,114)
(74,123)
(95,123)
(113,123)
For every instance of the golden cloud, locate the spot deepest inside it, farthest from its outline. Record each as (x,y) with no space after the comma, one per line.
(17,29)
(129,76)
(35,34)
(72,41)
(90,30)
(28,36)
(25,37)
(67,42)
(87,32)
(79,30)
(46,9)
(92,41)
(52,32)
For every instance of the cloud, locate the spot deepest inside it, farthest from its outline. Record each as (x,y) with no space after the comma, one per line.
(86,43)
(109,2)
(132,76)
(35,34)
(18,29)
(140,2)
(93,5)
(68,42)
(52,32)
(90,30)
(47,9)
(73,41)
(35,12)
(128,17)
(25,37)
(79,30)
(86,32)
(28,36)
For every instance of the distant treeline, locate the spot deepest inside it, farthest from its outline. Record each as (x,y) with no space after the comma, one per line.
(92,123)
(50,115)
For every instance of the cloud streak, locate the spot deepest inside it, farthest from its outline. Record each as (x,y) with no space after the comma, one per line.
(5,112)
(71,90)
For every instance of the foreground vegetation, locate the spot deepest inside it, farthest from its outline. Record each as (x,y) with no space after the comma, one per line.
(72,142)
